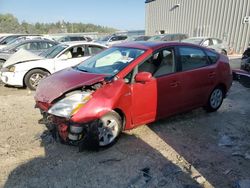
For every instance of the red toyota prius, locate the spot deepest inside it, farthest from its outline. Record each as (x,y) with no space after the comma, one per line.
(128,85)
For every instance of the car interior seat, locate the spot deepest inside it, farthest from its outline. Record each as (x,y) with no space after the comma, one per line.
(147,66)
(166,66)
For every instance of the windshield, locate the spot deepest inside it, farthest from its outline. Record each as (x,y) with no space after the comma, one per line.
(193,41)
(110,61)
(53,51)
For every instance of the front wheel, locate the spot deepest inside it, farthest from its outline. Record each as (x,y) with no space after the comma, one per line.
(33,78)
(215,100)
(109,128)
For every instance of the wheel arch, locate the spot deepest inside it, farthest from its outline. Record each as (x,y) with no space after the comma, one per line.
(40,68)
(223,87)
(122,115)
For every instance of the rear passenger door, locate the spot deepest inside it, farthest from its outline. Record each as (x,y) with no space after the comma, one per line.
(198,75)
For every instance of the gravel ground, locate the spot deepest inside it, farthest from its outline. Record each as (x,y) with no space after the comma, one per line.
(194,149)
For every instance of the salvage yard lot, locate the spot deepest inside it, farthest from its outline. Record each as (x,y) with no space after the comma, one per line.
(193,148)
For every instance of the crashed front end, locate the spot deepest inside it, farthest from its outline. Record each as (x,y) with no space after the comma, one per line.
(68,113)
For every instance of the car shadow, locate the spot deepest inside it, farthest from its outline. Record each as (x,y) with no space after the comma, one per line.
(129,163)
(199,138)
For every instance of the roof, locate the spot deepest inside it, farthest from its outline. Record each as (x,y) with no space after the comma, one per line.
(73,43)
(153,45)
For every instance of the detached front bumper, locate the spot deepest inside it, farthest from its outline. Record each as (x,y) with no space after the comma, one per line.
(83,135)
(13,78)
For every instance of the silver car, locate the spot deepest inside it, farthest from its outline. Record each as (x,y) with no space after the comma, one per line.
(35,45)
(209,42)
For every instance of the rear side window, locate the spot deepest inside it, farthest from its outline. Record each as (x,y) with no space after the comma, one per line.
(45,45)
(192,58)
(213,57)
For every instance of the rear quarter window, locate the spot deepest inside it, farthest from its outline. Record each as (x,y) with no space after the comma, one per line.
(213,57)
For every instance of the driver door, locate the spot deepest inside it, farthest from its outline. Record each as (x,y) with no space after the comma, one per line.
(161,96)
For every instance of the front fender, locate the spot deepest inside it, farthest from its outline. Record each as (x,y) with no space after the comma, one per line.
(115,95)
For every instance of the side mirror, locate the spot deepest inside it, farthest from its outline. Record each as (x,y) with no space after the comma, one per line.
(63,57)
(143,77)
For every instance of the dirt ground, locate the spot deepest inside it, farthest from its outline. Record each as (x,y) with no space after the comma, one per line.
(190,150)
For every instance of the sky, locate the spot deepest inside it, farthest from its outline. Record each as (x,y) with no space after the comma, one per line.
(119,14)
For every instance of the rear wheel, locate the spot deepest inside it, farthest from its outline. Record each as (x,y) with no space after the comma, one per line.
(33,78)
(223,52)
(215,100)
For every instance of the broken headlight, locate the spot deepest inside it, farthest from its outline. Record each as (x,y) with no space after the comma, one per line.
(70,105)
(9,69)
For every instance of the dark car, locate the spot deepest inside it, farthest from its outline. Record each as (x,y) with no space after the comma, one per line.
(245,60)
(128,85)
(35,45)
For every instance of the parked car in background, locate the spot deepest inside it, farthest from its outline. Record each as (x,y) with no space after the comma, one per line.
(169,37)
(74,38)
(138,38)
(19,72)
(22,38)
(112,39)
(6,39)
(128,85)
(209,42)
(35,46)
(245,60)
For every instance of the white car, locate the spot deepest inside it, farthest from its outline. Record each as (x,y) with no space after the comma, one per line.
(27,69)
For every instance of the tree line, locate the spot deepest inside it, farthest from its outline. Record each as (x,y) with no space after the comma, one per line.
(10,24)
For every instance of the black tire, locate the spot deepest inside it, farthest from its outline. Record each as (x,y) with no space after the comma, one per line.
(29,79)
(224,52)
(215,99)
(93,139)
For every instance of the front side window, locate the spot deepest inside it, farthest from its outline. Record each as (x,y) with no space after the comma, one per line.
(192,58)
(53,51)
(110,61)
(161,63)
(77,51)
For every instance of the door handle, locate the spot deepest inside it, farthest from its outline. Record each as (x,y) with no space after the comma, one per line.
(211,75)
(174,84)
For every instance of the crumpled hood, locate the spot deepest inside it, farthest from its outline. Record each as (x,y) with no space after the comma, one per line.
(63,81)
(21,56)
